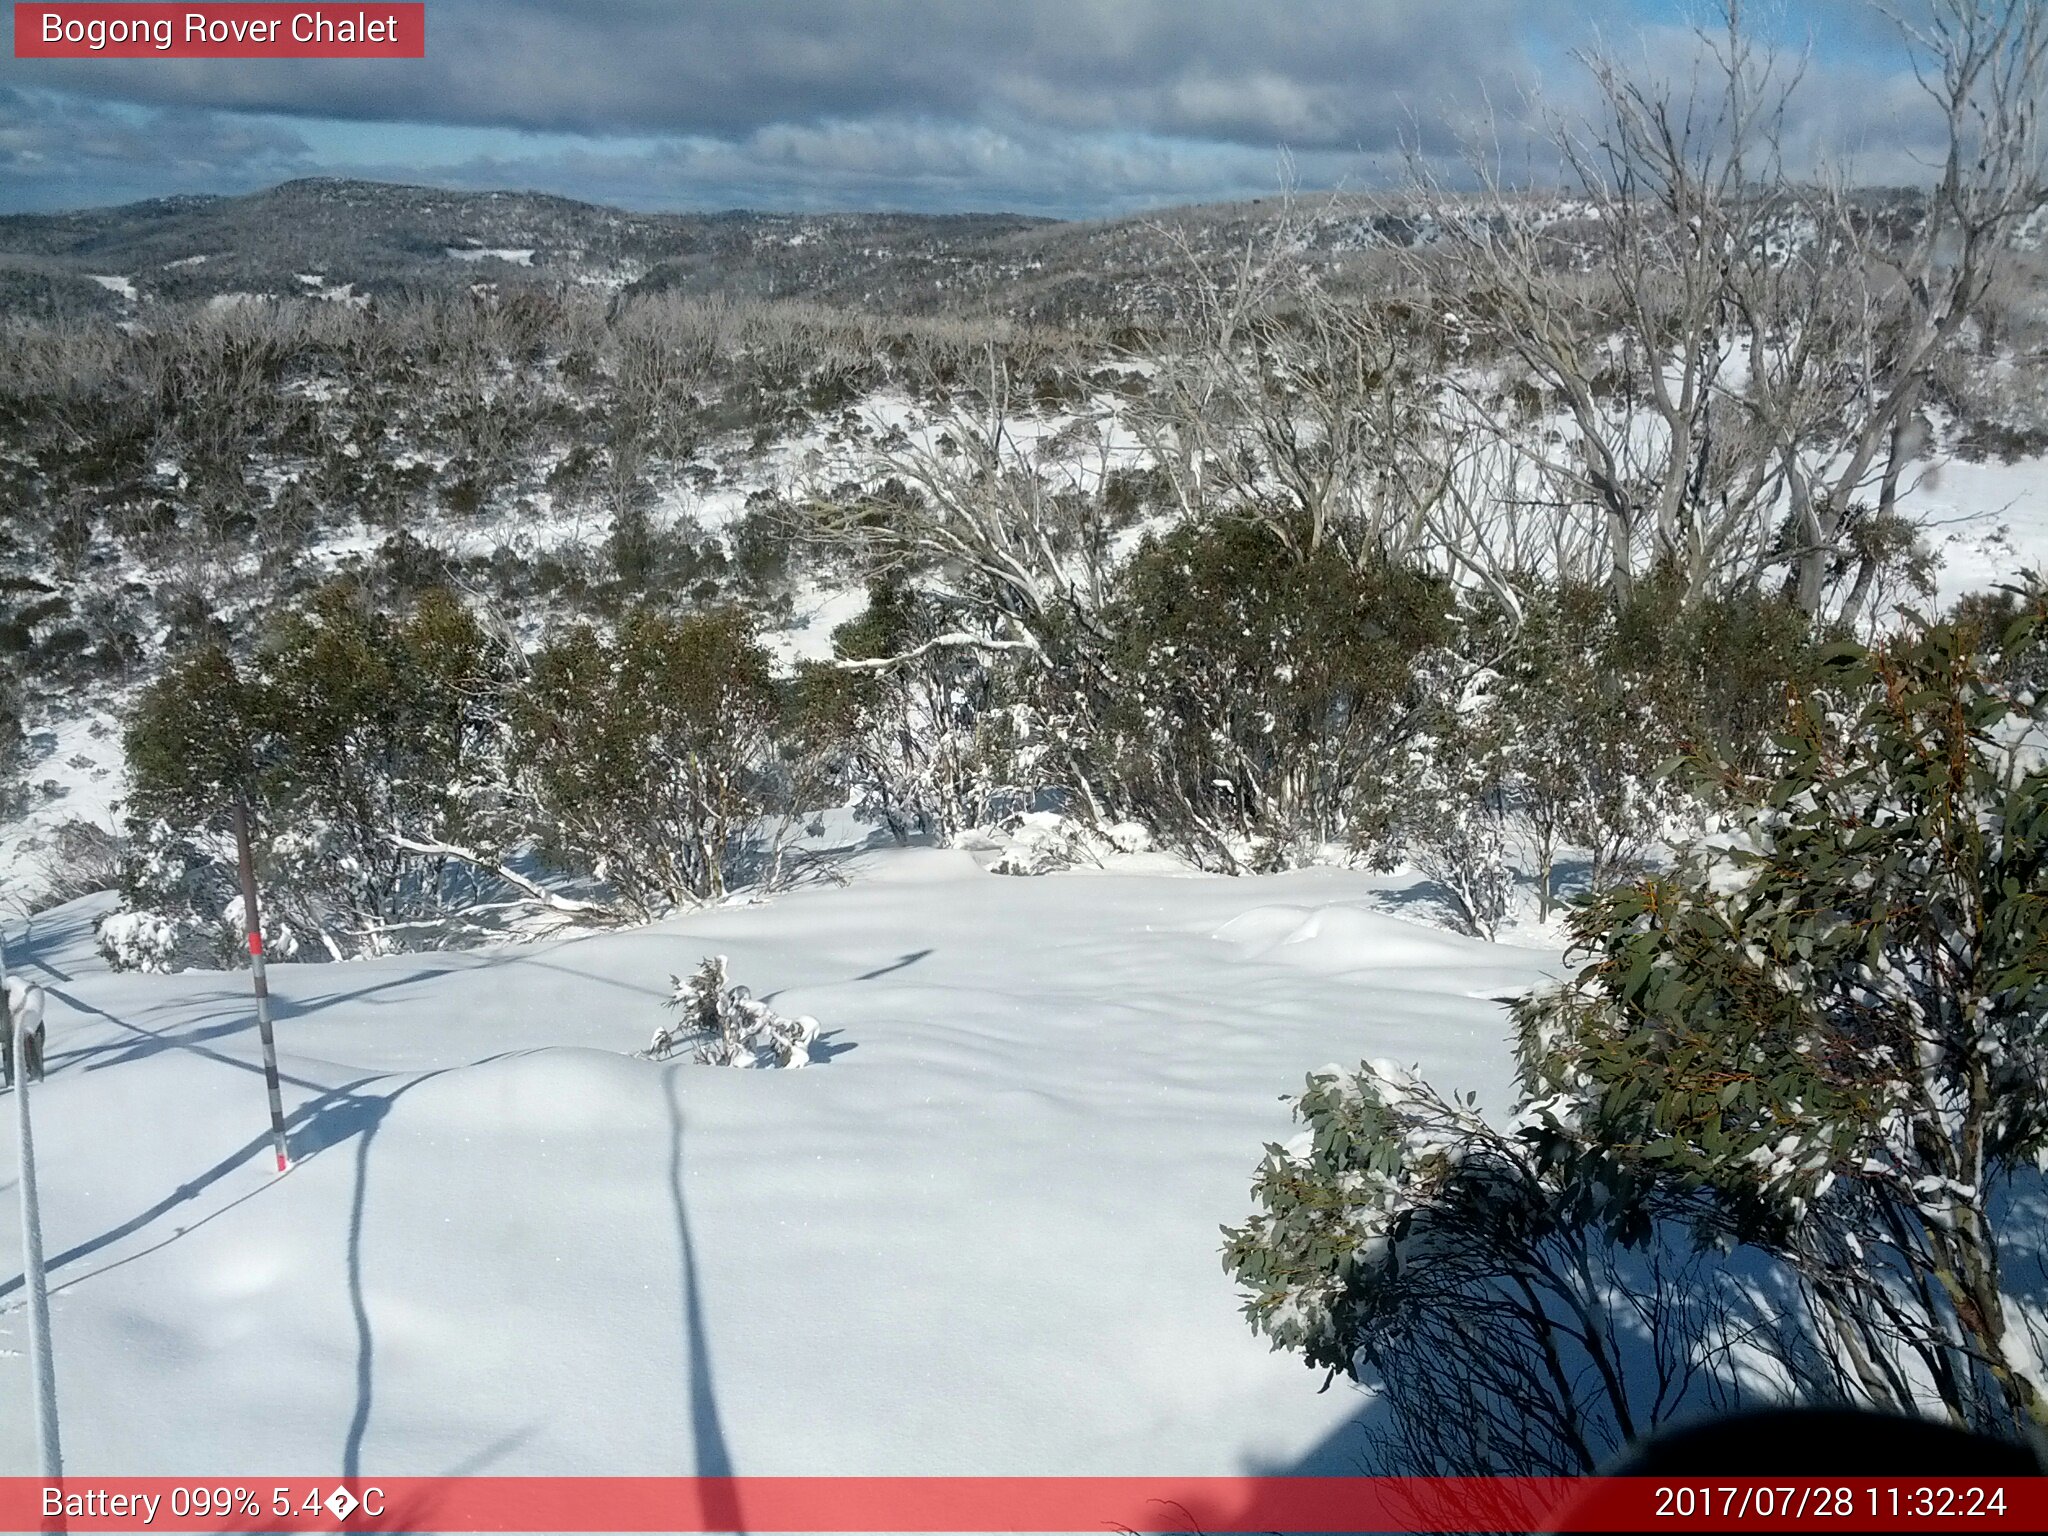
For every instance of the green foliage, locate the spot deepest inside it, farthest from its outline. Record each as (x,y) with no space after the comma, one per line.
(1823,1034)
(1988,618)
(648,757)
(13,738)
(1836,1024)
(349,731)
(192,742)
(1602,695)
(1254,693)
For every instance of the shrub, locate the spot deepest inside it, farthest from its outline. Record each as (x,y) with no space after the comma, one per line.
(648,759)
(1601,696)
(732,1028)
(1835,1025)
(366,747)
(1256,697)
(910,742)
(1822,1039)
(81,860)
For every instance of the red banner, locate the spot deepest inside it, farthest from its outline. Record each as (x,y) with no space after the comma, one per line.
(218,31)
(1212,1505)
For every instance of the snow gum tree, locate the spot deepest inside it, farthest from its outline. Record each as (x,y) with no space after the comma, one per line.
(367,746)
(1815,1051)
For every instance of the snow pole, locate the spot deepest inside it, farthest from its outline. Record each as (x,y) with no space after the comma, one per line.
(252,920)
(42,1361)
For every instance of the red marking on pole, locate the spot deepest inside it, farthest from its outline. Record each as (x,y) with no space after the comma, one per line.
(282,1165)
(255,943)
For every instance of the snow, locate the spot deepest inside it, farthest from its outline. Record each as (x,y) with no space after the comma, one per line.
(125,287)
(817,609)
(1988,522)
(977,1235)
(518,258)
(76,772)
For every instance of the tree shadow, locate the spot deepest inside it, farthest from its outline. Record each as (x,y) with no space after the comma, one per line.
(902,962)
(713,1455)
(48,933)
(155,1041)
(361,1122)
(190,1190)
(895,965)
(829,1047)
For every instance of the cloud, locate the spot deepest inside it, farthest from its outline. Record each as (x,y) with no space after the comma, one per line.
(1063,106)
(56,149)
(1321,73)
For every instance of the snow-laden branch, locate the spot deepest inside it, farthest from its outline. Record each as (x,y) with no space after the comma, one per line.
(513,878)
(954,639)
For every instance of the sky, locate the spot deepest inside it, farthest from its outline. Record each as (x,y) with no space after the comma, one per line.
(1067,108)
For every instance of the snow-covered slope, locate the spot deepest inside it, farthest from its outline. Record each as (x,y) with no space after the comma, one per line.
(978,1236)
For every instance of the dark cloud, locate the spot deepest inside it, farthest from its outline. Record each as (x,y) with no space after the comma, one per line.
(1067,106)
(56,150)
(1317,73)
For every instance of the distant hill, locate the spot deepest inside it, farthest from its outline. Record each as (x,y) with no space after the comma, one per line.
(321,235)
(338,238)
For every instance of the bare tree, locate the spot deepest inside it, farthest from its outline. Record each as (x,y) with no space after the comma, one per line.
(1737,352)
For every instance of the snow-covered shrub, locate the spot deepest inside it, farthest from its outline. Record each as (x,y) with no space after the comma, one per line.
(651,759)
(1596,697)
(1128,836)
(1835,1025)
(905,720)
(1819,1044)
(1257,689)
(1040,842)
(1450,809)
(138,941)
(369,749)
(1406,1243)
(80,858)
(1989,616)
(729,1026)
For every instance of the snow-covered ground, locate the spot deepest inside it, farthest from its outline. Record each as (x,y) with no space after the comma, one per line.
(518,258)
(75,772)
(977,1236)
(1987,522)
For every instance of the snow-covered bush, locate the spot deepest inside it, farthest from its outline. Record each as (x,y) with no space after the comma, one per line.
(138,941)
(1258,689)
(729,1026)
(80,858)
(1819,1045)
(1041,842)
(1835,1025)
(909,725)
(369,749)
(1450,811)
(1406,1243)
(650,759)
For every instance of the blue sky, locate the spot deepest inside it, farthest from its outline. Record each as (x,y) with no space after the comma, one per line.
(1074,108)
